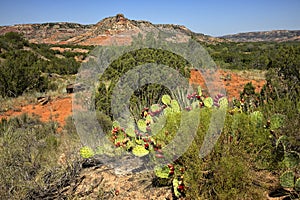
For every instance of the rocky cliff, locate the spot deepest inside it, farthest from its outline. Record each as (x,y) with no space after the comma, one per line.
(118,28)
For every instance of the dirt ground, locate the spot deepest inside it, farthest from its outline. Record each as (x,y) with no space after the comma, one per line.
(59,108)
(233,82)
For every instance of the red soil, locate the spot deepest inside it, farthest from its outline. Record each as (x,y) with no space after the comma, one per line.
(59,108)
(233,86)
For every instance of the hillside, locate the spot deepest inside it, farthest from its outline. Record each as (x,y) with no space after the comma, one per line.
(265,36)
(121,29)
(101,33)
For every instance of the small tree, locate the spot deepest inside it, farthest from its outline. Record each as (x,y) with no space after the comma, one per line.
(19,73)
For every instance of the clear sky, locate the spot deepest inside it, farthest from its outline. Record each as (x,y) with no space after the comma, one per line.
(211,17)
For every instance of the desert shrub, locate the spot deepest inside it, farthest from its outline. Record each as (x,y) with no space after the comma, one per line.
(228,172)
(12,40)
(21,68)
(61,66)
(284,76)
(250,55)
(281,94)
(27,148)
(29,151)
(19,73)
(148,94)
(38,57)
(104,121)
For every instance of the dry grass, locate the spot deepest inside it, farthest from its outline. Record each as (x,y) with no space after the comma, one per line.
(251,74)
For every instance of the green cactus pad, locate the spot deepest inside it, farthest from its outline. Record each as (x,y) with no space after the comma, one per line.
(86,152)
(166,99)
(168,111)
(120,138)
(158,125)
(287,179)
(175,186)
(199,90)
(175,106)
(130,132)
(277,121)
(129,145)
(116,124)
(155,108)
(162,171)
(140,151)
(142,125)
(139,141)
(208,102)
(149,119)
(297,185)
(291,159)
(223,102)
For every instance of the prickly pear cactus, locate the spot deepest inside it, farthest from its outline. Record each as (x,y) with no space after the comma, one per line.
(162,171)
(116,124)
(175,187)
(155,109)
(149,119)
(86,152)
(223,103)
(166,99)
(130,132)
(168,111)
(142,125)
(208,102)
(287,179)
(220,101)
(129,145)
(140,151)
(175,106)
(199,91)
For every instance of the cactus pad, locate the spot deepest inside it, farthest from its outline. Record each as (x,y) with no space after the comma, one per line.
(86,152)
(166,99)
(140,151)
(162,171)
(208,102)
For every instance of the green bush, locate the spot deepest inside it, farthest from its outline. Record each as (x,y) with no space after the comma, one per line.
(19,73)
(23,65)
(146,95)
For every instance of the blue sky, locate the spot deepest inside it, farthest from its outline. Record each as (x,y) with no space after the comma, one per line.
(212,17)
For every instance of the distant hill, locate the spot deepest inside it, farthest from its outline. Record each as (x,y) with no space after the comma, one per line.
(120,29)
(117,27)
(265,36)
